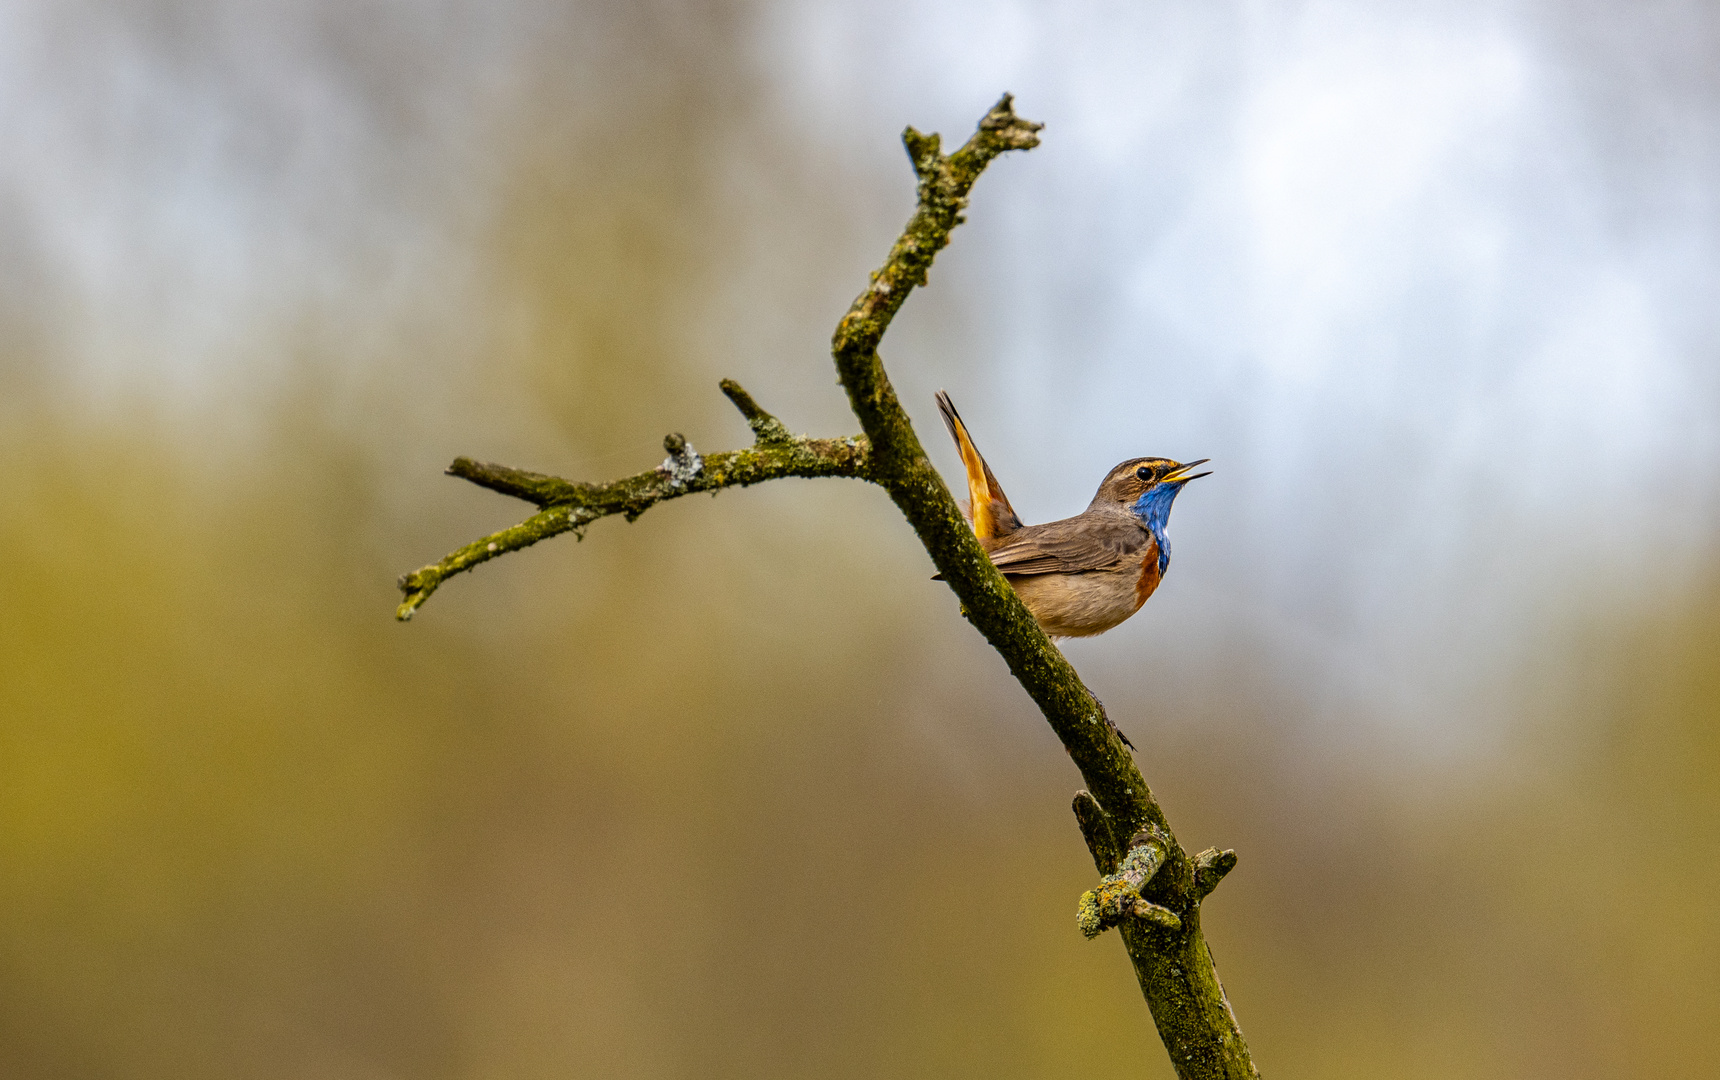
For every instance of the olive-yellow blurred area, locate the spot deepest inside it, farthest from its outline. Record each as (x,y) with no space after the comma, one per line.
(733,790)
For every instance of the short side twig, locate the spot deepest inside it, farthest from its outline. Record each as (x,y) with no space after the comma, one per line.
(1210,866)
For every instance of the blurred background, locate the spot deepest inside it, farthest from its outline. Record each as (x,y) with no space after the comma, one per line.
(733,791)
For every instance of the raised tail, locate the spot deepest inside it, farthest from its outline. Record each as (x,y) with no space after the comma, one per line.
(989,507)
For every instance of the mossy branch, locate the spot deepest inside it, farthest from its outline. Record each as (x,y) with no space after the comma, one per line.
(1173,965)
(1151,891)
(566,506)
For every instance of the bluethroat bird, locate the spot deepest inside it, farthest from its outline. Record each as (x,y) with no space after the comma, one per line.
(1084,574)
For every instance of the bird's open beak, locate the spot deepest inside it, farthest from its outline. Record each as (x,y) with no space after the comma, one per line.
(1179,475)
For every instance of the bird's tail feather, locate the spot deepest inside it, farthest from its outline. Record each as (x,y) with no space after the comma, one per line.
(989,508)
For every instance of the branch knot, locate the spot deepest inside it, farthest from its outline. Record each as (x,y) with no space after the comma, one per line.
(683,465)
(1118,896)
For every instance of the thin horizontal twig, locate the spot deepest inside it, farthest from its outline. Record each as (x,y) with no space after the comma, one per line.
(567,506)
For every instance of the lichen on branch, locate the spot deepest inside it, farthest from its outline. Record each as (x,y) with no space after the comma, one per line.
(1118,896)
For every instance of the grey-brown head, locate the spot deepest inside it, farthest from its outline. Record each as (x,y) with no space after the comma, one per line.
(1125,485)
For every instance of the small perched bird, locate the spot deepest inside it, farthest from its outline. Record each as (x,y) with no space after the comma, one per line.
(1084,574)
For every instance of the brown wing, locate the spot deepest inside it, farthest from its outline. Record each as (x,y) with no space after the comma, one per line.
(989,508)
(1086,542)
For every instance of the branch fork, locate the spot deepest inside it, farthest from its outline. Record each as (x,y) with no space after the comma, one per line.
(1126,872)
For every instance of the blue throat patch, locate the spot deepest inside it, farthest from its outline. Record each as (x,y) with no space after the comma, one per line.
(1154,510)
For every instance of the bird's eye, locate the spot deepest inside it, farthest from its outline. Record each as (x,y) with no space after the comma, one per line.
(1143,473)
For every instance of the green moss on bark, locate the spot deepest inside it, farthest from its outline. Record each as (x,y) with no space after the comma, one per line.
(1173,966)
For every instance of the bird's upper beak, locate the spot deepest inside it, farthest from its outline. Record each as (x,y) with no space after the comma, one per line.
(1179,475)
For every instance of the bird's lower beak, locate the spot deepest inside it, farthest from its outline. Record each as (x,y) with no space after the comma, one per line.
(1179,475)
